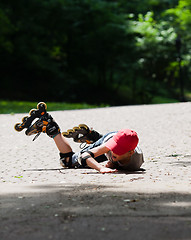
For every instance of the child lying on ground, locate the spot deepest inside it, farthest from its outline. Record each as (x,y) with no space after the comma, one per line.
(120,148)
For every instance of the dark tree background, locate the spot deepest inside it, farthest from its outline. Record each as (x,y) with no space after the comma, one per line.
(94,51)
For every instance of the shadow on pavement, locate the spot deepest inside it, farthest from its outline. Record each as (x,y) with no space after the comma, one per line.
(140,171)
(93,212)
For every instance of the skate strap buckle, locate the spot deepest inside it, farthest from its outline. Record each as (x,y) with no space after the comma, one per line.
(36,136)
(83,145)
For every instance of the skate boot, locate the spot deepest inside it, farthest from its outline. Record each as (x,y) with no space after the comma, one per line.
(82,134)
(45,123)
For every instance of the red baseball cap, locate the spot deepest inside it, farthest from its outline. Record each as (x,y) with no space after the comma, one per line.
(123,141)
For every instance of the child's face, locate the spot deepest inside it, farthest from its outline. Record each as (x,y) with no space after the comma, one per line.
(127,155)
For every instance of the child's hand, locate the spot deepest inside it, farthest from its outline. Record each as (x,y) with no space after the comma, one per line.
(107,170)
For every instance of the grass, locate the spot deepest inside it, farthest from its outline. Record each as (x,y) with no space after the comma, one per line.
(162,99)
(158,100)
(12,107)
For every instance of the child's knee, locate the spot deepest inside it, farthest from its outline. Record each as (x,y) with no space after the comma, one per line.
(69,160)
(66,159)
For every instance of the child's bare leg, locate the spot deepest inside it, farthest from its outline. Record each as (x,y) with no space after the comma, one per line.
(52,129)
(62,144)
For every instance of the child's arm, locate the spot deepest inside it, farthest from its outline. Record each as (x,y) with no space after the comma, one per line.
(91,162)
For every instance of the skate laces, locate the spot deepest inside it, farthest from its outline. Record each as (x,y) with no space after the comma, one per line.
(41,123)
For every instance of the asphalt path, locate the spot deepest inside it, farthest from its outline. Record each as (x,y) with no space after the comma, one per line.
(41,200)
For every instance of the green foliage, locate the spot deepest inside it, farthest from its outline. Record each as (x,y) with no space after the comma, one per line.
(113,52)
(156,42)
(6,29)
(179,18)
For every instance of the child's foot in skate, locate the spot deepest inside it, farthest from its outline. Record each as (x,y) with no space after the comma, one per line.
(45,124)
(82,134)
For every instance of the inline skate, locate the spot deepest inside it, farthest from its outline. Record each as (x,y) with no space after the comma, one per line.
(45,122)
(82,134)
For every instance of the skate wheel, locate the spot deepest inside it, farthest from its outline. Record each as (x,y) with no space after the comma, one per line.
(67,134)
(24,119)
(42,105)
(75,129)
(32,111)
(18,127)
(70,131)
(83,126)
